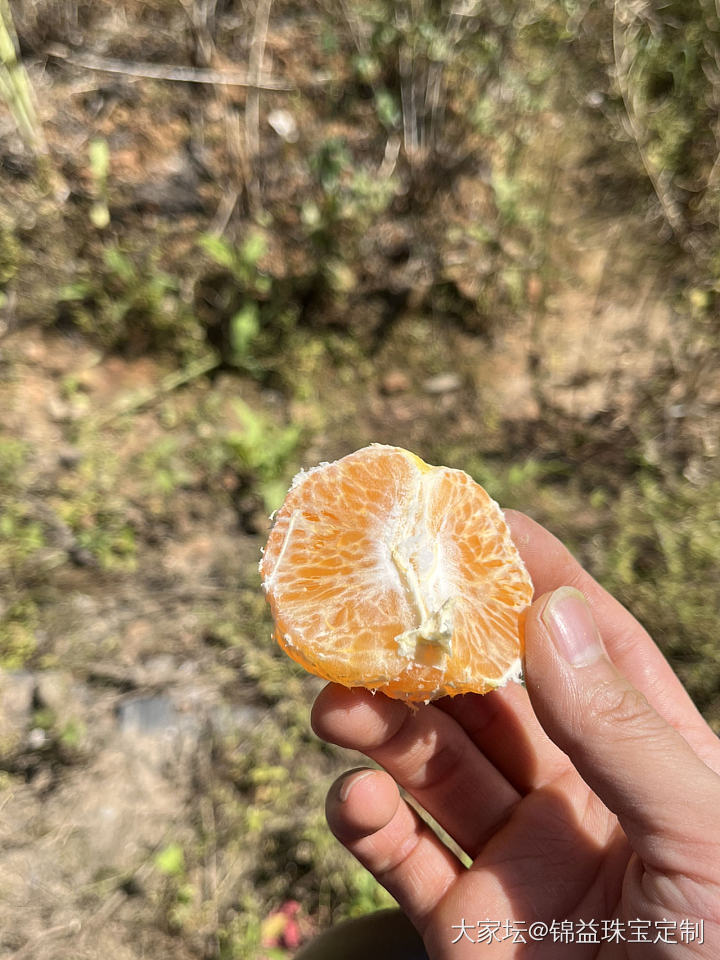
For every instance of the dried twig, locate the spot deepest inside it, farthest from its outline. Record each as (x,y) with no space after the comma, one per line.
(154,71)
(52,933)
(226,207)
(356,30)
(252,107)
(406,69)
(392,151)
(201,14)
(141,398)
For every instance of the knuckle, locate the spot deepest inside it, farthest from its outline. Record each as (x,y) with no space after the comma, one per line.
(422,756)
(619,706)
(385,724)
(437,767)
(397,732)
(398,856)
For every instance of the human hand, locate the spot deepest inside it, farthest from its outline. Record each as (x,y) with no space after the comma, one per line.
(592,795)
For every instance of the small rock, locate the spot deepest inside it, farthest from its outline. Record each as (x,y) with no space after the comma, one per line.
(147,714)
(84,605)
(69,457)
(229,719)
(442,383)
(159,669)
(81,556)
(284,125)
(272,397)
(394,381)
(395,242)
(512,248)
(37,738)
(58,410)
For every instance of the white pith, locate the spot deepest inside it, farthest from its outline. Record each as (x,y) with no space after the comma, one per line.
(419,560)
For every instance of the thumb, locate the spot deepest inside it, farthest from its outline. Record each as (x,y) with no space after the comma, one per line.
(640,766)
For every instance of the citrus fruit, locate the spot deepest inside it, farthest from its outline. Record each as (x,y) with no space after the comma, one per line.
(384,572)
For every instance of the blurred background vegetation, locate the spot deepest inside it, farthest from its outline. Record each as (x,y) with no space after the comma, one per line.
(238,237)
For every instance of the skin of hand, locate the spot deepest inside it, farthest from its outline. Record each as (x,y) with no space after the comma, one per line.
(593,794)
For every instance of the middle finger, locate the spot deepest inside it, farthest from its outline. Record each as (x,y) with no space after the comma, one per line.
(428,753)
(503,725)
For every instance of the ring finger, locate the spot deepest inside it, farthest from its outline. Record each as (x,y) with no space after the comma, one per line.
(367,814)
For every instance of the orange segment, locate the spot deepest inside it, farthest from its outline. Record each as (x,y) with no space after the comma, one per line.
(384,572)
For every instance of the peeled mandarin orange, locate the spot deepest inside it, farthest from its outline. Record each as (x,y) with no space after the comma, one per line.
(386,573)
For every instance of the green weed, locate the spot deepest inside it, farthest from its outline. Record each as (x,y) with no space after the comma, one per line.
(259,452)
(258,308)
(240,936)
(18,642)
(20,537)
(21,541)
(10,255)
(178,894)
(170,860)
(72,734)
(668,70)
(15,87)
(413,58)
(88,501)
(349,199)
(13,457)
(662,561)
(162,469)
(364,894)
(128,301)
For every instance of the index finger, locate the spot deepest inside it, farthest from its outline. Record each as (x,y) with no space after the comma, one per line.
(551,565)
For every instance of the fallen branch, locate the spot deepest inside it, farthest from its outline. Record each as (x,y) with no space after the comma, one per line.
(155,71)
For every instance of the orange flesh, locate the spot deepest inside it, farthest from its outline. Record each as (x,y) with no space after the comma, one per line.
(386,573)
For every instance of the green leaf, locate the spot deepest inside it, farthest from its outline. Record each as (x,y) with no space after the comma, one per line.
(244,327)
(99,154)
(74,291)
(99,215)
(120,264)
(254,247)
(171,860)
(219,250)
(273,493)
(388,111)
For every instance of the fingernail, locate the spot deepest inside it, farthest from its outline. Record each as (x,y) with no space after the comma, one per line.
(350,782)
(572,627)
